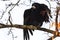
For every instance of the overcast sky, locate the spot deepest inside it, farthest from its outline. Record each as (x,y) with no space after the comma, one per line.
(17,18)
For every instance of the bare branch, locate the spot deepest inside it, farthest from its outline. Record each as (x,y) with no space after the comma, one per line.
(49,3)
(51,38)
(27,27)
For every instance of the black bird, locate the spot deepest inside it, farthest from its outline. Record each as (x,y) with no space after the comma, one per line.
(35,16)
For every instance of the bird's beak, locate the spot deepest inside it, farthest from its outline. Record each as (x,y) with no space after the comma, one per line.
(33,7)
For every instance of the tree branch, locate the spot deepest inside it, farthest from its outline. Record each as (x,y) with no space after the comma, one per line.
(27,27)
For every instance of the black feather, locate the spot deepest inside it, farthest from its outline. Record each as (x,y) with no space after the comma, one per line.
(35,16)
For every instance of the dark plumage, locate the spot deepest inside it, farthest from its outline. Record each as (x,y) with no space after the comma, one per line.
(35,16)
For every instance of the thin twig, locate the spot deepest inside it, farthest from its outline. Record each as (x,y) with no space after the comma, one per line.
(49,3)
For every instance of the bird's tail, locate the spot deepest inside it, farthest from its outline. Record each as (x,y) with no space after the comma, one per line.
(26,34)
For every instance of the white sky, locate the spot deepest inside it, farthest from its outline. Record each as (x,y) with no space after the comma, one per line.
(17,18)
